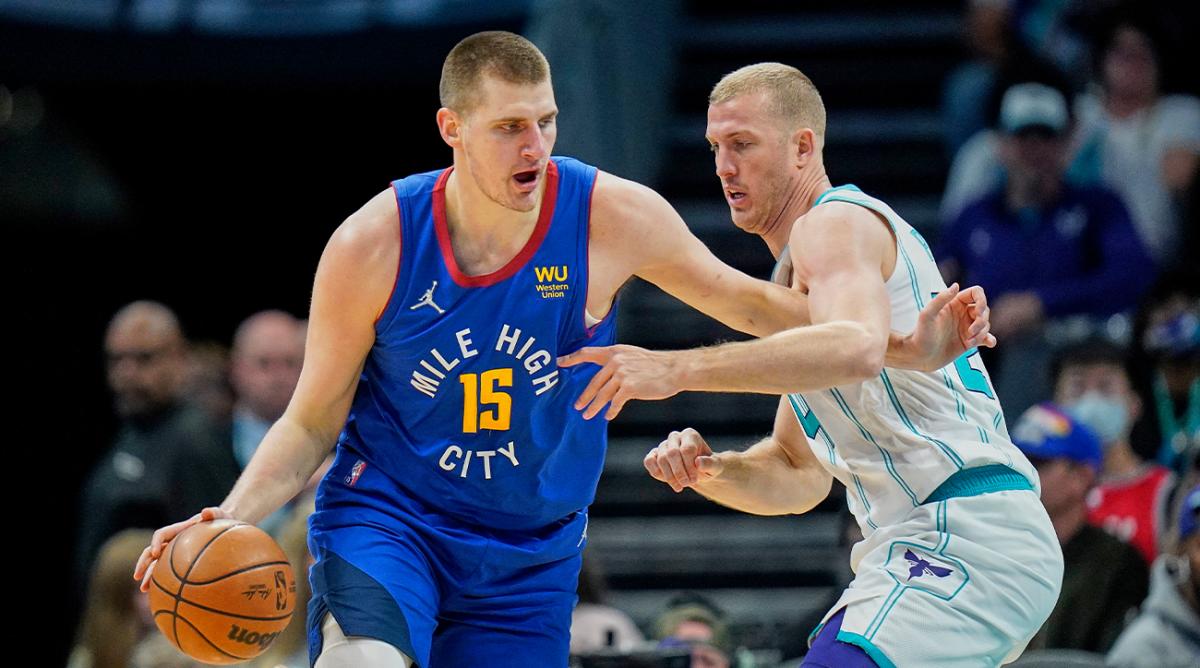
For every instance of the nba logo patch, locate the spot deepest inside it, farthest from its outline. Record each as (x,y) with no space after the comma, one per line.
(355,472)
(915,566)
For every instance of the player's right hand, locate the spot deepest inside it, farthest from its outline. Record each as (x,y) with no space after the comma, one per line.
(683,460)
(158,542)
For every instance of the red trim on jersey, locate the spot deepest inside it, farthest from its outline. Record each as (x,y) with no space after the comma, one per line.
(399,253)
(549,195)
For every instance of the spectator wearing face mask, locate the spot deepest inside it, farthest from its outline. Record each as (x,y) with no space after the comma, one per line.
(1093,385)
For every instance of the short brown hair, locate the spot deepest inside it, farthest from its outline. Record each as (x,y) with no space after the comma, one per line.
(503,54)
(794,98)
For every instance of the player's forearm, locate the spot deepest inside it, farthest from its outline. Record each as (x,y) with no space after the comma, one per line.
(283,463)
(796,360)
(762,482)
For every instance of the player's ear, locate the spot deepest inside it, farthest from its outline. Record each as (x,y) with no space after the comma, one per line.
(806,144)
(450,126)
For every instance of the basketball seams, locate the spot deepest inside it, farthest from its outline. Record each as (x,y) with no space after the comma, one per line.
(261,564)
(224,589)
(183,580)
(181,599)
(213,645)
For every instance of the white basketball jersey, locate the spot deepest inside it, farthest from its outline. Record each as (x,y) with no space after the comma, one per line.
(893,439)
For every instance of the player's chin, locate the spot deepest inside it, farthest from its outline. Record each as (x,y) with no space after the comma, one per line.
(523,202)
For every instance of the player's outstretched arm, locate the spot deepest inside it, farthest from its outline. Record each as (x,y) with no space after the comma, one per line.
(352,285)
(842,261)
(635,232)
(776,476)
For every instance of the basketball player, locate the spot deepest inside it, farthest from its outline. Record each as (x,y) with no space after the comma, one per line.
(449,529)
(959,565)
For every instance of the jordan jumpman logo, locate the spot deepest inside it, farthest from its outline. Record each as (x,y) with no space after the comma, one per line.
(427,300)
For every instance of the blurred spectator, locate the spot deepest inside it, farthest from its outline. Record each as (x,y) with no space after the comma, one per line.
(694,623)
(1167,632)
(595,625)
(968,88)
(142,480)
(268,351)
(1060,31)
(290,649)
(206,381)
(1103,578)
(1093,385)
(1136,140)
(971,92)
(116,614)
(1170,338)
(1044,249)
(158,652)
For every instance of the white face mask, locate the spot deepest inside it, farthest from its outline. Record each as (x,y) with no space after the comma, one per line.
(1107,417)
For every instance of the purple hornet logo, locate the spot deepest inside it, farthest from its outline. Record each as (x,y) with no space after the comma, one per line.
(923,567)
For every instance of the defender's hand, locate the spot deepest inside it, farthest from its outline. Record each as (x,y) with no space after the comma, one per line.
(683,460)
(626,372)
(954,322)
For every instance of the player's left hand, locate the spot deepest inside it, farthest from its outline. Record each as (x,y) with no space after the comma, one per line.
(626,372)
(954,322)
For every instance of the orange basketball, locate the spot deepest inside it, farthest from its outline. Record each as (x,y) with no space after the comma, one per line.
(222,591)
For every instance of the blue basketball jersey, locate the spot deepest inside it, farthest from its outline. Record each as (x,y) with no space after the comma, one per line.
(461,403)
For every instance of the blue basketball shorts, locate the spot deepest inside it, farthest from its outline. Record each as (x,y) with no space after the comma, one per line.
(444,593)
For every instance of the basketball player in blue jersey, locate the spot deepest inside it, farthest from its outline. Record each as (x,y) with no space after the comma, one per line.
(449,529)
(959,565)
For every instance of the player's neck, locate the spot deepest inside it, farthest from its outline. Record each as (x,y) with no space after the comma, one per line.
(484,234)
(798,201)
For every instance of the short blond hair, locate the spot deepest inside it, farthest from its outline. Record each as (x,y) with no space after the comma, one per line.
(793,97)
(495,52)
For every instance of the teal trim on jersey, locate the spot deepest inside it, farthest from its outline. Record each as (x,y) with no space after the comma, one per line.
(983,436)
(908,264)
(867,646)
(849,186)
(972,378)
(801,417)
(958,399)
(998,419)
(805,414)
(924,244)
(941,527)
(958,402)
(887,457)
(946,449)
(980,480)
(888,603)
(815,632)
(862,494)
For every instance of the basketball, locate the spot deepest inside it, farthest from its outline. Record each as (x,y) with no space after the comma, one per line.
(222,591)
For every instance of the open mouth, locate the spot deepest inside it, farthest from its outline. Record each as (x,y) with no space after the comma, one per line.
(734,195)
(526,177)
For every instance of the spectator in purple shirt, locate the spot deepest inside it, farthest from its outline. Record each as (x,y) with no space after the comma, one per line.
(1043,248)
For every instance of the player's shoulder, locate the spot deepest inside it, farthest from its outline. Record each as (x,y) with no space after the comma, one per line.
(623,203)
(370,231)
(838,216)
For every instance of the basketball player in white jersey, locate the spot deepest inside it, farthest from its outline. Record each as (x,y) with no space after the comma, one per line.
(959,565)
